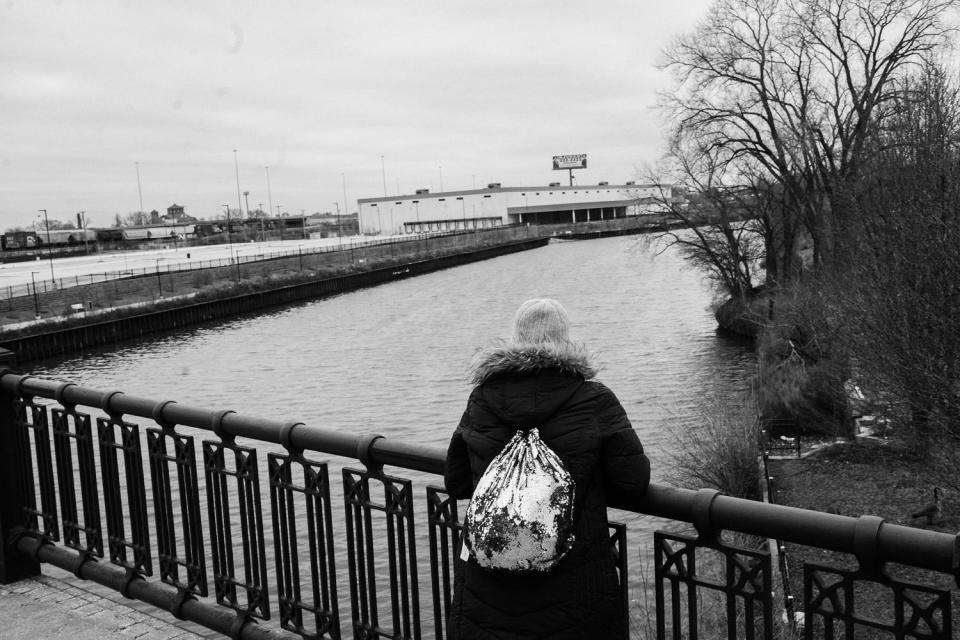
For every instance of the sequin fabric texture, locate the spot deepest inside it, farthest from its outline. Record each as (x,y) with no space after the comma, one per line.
(520,517)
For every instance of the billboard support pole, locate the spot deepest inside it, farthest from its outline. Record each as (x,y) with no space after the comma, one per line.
(570,162)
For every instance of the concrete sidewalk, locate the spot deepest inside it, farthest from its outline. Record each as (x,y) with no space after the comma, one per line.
(51,608)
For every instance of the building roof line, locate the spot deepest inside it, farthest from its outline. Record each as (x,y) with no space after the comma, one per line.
(488,191)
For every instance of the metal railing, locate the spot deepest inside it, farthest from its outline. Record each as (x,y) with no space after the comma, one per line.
(187,264)
(781,437)
(43,286)
(184,515)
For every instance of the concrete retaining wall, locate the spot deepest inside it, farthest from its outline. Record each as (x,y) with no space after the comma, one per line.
(77,338)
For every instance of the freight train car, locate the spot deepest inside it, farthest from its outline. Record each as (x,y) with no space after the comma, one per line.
(16,240)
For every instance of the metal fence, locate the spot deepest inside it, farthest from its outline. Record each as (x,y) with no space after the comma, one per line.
(781,437)
(42,286)
(230,521)
(350,244)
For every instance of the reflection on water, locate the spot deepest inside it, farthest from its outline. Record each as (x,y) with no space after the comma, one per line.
(393,359)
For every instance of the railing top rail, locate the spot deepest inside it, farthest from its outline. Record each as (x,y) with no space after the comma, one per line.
(872,540)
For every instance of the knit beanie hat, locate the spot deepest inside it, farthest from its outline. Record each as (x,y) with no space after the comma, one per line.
(541,320)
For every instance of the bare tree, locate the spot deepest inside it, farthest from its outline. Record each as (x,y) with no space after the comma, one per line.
(791,91)
(719,227)
(134,218)
(900,291)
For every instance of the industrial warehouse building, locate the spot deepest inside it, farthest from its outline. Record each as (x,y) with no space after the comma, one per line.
(496,206)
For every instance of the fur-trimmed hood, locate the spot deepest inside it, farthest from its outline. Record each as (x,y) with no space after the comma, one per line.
(509,357)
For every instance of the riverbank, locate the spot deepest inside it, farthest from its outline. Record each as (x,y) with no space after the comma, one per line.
(855,478)
(226,297)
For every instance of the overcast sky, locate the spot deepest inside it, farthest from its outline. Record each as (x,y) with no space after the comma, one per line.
(332,97)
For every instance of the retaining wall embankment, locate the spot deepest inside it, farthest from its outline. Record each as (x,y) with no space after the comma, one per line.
(97,334)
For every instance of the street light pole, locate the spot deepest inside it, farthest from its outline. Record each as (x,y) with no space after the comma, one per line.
(46,222)
(339,231)
(260,212)
(246,200)
(236,166)
(159,282)
(36,300)
(269,195)
(229,241)
(383,172)
(346,207)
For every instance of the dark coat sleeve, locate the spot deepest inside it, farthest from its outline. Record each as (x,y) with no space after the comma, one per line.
(457,476)
(625,467)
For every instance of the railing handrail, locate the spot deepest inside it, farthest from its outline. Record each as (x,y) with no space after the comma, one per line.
(872,540)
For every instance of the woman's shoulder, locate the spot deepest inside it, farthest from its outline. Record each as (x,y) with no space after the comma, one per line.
(599,391)
(607,405)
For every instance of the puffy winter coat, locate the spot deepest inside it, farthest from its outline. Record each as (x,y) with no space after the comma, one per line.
(581,420)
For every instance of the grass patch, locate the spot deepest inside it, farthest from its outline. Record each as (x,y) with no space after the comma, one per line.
(863,478)
(718,448)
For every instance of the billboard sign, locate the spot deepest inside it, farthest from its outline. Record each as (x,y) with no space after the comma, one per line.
(573,161)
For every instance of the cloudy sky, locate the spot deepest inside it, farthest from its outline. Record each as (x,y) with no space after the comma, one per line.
(340,100)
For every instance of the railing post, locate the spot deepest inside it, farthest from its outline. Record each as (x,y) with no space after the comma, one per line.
(14,565)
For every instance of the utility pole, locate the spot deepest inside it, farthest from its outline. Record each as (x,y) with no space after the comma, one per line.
(49,247)
(269,195)
(229,240)
(82,219)
(139,189)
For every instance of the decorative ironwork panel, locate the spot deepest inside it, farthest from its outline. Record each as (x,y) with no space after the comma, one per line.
(85,466)
(618,543)
(169,555)
(131,553)
(226,577)
(397,507)
(744,587)
(913,611)
(445,541)
(293,506)
(31,418)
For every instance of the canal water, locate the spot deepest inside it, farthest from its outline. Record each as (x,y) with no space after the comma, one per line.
(394,359)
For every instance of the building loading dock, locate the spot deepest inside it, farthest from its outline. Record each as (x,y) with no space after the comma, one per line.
(495,206)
